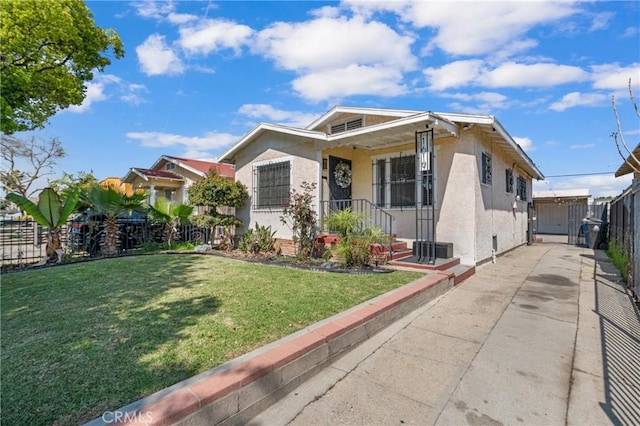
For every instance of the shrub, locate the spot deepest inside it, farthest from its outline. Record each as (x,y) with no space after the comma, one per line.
(620,259)
(303,220)
(258,240)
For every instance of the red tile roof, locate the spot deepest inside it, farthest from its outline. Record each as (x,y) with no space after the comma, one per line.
(158,173)
(226,170)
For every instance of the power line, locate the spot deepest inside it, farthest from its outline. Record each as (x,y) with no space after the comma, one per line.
(581,174)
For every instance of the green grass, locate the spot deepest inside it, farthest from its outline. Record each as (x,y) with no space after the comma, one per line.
(84,338)
(620,259)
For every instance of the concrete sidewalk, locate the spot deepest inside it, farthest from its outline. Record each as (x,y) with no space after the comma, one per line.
(502,348)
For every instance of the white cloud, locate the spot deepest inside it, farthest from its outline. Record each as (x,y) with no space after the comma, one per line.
(574,99)
(134,94)
(525,143)
(454,74)
(98,88)
(582,146)
(94,93)
(601,21)
(473,29)
(616,77)
(485,101)
(598,185)
(321,44)
(511,74)
(156,58)
(210,140)
(154,9)
(211,35)
(268,113)
(353,80)
(630,32)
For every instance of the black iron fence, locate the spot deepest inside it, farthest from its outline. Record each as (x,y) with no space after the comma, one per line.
(624,229)
(24,241)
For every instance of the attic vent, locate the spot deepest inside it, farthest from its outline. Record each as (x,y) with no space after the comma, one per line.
(348,125)
(170,166)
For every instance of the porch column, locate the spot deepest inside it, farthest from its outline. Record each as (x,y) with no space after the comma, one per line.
(319,189)
(185,194)
(152,194)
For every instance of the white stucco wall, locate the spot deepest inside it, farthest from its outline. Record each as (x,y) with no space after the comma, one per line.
(495,212)
(304,168)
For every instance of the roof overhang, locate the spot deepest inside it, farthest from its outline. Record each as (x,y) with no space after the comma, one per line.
(626,168)
(265,128)
(384,112)
(132,174)
(179,163)
(391,133)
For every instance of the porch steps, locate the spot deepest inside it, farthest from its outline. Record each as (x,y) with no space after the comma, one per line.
(461,272)
(410,261)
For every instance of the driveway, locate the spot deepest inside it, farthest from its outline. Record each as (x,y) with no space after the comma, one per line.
(546,335)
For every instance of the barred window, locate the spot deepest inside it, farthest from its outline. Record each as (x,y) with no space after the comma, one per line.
(522,188)
(271,184)
(509,179)
(394,182)
(486,168)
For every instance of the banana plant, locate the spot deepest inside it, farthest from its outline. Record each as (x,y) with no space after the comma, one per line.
(52,213)
(171,215)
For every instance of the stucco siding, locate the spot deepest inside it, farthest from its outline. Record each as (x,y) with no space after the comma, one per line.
(499,225)
(304,168)
(456,185)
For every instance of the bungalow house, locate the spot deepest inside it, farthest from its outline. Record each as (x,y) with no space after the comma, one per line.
(422,176)
(170,177)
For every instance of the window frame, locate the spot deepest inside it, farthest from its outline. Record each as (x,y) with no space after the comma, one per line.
(509,180)
(521,188)
(283,197)
(486,168)
(387,184)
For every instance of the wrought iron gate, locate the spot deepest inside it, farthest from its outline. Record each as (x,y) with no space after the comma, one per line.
(425,242)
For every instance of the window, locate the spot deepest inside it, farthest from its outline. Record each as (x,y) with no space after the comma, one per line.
(347,125)
(509,179)
(271,184)
(486,168)
(170,166)
(394,182)
(522,188)
(168,194)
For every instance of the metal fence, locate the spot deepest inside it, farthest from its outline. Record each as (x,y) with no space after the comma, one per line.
(24,241)
(624,229)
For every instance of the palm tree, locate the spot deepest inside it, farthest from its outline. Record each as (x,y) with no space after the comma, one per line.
(50,212)
(111,203)
(171,215)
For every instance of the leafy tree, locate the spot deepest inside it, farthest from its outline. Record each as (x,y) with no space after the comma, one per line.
(303,218)
(39,157)
(216,191)
(171,215)
(50,212)
(112,203)
(48,50)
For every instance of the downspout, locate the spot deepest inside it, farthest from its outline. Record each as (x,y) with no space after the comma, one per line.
(319,188)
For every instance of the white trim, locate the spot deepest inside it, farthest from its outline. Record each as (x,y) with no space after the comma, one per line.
(288,158)
(254,167)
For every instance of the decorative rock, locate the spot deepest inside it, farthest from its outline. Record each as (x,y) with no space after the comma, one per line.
(202,248)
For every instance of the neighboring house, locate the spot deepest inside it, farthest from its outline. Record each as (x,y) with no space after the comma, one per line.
(170,177)
(439,177)
(117,184)
(552,209)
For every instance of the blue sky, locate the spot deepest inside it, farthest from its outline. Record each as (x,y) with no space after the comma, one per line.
(197,75)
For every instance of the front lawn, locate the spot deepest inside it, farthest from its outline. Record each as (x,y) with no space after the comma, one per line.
(81,339)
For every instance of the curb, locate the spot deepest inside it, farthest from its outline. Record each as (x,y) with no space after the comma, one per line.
(240,389)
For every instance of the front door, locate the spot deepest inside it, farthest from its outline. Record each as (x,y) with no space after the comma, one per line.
(340,179)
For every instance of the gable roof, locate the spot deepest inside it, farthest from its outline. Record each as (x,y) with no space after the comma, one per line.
(626,168)
(394,131)
(562,194)
(149,173)
(200,167)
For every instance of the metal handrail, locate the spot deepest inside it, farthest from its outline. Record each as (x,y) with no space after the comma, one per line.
(375,216)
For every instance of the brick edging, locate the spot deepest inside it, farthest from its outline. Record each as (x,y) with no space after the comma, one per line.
(238,390)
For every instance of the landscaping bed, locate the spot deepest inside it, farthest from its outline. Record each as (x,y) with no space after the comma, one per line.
(82,339)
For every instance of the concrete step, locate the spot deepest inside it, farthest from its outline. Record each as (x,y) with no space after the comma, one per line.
(410,261)
(461,272)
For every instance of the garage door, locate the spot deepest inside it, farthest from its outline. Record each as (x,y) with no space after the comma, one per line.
(552,218)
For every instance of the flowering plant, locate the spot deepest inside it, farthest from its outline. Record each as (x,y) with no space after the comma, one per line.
(342,175)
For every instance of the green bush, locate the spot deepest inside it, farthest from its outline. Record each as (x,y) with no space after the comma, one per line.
(258,240)
(620,259)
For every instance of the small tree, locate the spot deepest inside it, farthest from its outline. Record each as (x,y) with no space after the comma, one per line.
(38,159)
(111,203)
(216,191)
(50,212)
(171,215)
(302,218)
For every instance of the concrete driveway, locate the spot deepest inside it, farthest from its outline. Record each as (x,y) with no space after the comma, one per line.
(546,335)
